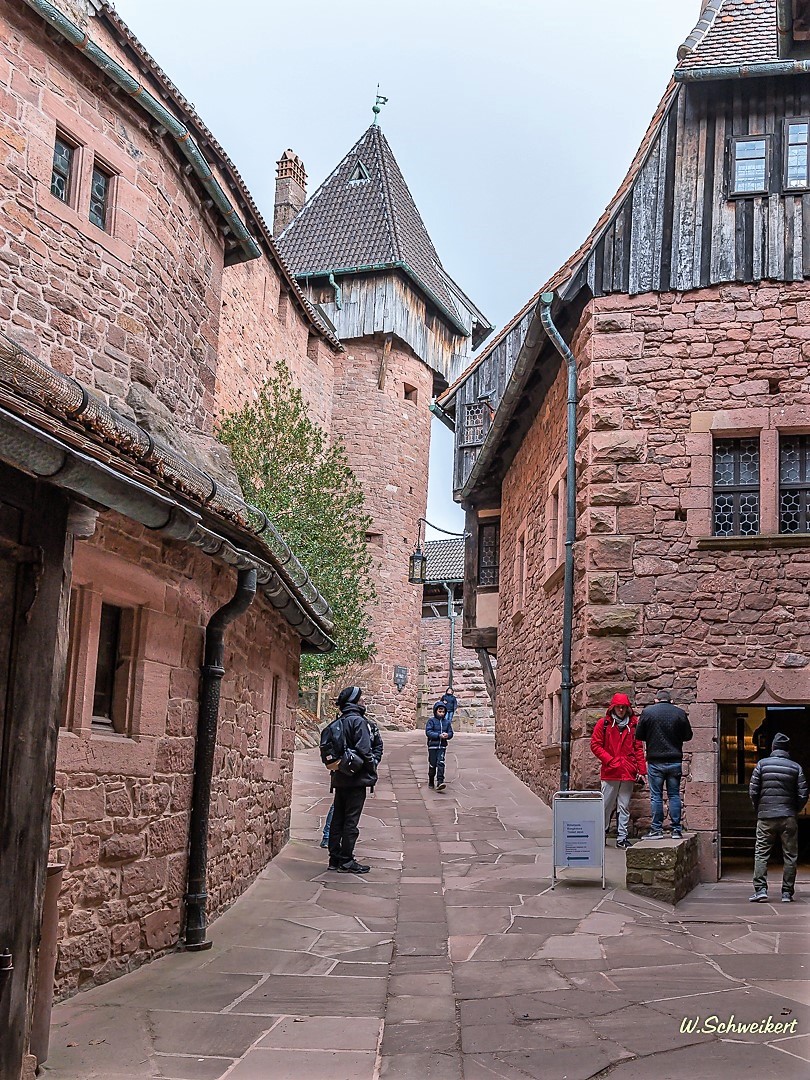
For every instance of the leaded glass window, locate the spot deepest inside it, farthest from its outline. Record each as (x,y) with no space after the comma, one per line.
(62,171)
(100,196)
(749,165)
(736,487)
(794,483)
(796,162)
(476,416)
(489,544)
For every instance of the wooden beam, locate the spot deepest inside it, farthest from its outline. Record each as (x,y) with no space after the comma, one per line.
(386,352)
(480,637)
(485,660)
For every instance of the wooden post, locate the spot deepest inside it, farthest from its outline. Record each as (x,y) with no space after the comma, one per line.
(34,635)
(485,661)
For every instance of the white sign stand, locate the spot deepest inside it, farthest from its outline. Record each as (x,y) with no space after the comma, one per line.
(579,831)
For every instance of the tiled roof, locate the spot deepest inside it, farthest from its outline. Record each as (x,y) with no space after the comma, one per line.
(364,216)
(445,560)
(741,32)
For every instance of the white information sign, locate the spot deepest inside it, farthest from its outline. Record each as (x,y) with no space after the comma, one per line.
(579,831)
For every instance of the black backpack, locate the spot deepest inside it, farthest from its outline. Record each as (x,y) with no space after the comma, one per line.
(335,754)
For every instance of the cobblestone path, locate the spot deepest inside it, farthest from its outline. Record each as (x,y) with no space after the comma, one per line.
(453,959)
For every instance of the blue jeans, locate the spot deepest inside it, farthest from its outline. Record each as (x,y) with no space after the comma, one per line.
(328,824)
(659,772)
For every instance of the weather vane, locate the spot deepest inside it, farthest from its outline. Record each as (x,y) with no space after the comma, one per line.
(375,108)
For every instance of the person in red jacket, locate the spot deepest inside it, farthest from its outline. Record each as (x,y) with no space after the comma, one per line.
(622,756)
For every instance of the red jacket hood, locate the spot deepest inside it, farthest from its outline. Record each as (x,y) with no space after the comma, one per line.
(620,699)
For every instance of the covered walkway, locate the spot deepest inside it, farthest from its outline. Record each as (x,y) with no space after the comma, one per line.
(453,959)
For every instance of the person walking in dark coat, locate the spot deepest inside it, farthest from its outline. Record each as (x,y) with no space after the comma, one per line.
(664,728)
(439,732)
(778,790)
(451,703)
(363,737)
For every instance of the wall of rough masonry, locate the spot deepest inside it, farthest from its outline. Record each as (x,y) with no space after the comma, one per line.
(387,439)
(474,708)
(121,805)
(660,602)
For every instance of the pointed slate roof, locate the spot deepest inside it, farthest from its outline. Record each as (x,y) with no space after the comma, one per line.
(363,217)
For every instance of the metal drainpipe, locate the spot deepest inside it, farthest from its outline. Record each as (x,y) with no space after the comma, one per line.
(560,345)
(212,672)
(451,615)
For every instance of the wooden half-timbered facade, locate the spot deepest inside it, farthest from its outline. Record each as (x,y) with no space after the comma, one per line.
(688,313)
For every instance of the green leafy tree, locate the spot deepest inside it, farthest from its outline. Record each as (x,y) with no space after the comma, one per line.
(289,468)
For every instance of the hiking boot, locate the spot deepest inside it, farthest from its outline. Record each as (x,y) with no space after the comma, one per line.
(441,786)
(677,832)
(654,834)
(787,897)
(623,843)
(353,868)
(325,842)
(333,865)
(760,897)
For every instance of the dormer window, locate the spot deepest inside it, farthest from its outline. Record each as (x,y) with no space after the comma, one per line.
(797,176)
(750,165)
(359,173)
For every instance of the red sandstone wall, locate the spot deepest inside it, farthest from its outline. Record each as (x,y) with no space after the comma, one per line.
(257,331)
(713,622)
(121,807)
(388,442)
(474,708)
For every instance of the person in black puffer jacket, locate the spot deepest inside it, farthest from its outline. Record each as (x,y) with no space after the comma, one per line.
(664,728)
(363,737)
(778,790)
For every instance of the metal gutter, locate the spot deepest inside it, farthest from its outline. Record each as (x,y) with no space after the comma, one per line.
(167,120)
(445,418)
(529,351)
(556,339)
(396,264)
(742,71)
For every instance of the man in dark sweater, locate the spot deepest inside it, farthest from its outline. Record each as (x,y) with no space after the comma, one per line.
(363,737)
(664,728)
(778,790)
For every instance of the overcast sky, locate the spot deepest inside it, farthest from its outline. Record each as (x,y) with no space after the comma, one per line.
(513,121)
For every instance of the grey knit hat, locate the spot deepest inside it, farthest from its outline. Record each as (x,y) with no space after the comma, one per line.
(349,696)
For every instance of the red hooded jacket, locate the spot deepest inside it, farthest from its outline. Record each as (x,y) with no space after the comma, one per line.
(621,754)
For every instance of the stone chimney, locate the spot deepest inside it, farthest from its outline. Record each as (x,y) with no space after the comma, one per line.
(291,190)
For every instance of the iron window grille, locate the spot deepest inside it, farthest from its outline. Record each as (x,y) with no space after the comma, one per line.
(796,172)
(100,189)
(736,487)
(750,165)
(489,544)
(794,483)
(476,419)
(64,156)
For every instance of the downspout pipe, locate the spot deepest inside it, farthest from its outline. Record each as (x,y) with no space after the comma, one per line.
(213,670)
(562,348)
(451,615)
(784,27)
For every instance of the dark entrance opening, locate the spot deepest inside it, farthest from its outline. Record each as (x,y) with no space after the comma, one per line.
(746,733)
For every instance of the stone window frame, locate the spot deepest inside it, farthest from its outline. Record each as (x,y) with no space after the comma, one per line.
(275,711)
(552,712)
(554,544)
(126,207)
(697,499)
(102,577)
(520,572)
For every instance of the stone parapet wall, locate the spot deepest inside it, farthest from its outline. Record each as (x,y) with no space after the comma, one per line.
(664,870)
(121,805)
(474,709)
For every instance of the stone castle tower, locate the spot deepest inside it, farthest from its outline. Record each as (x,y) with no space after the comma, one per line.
(361,251)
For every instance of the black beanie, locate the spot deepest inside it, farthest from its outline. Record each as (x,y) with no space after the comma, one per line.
(349,696)
(780,741)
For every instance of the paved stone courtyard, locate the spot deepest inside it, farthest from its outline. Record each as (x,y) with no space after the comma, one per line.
(453,959)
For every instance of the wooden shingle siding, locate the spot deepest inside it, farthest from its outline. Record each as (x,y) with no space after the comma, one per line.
(678,229)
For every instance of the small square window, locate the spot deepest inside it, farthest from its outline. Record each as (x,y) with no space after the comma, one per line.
(736,487)
(64,159)
(797,175)
(409,392)
(750,165)
(476,423)
(100,193)
(489,543)
(110,691)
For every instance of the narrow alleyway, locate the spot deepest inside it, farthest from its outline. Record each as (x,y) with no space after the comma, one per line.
(452,959)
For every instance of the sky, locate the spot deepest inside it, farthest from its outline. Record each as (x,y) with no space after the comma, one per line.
(513,121)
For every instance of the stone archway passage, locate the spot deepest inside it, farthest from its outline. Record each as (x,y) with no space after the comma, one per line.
(451,958)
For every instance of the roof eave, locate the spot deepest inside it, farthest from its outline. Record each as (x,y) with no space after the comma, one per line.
(716,72)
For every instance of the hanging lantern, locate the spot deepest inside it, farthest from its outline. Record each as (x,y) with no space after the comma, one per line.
(417,567)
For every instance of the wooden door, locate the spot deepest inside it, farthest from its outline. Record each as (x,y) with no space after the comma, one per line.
(34,593)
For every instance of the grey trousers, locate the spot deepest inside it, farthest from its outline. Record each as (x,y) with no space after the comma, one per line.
(618,792)
(787,829)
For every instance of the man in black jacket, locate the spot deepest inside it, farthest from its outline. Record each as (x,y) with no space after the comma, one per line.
(778,790)
(363,737)
(664,728)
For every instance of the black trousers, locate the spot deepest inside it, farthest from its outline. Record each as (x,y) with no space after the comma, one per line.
(344,831)
(436,763)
